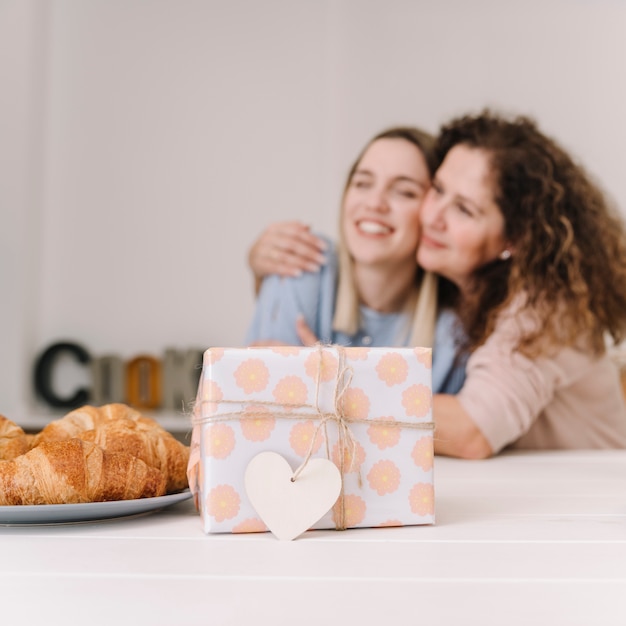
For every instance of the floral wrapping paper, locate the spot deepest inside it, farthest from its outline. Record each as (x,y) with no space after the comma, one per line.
(279,399)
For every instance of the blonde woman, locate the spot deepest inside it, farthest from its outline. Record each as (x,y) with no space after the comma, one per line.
(370,290)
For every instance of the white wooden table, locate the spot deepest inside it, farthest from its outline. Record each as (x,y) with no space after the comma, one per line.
(526,538)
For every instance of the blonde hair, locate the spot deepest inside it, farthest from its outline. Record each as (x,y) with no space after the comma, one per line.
(421,302)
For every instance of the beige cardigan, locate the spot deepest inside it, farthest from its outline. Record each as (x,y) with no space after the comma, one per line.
(570,400)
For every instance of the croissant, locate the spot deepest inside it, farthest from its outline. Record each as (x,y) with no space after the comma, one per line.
(155,447)
(74,471)
(13,440)
(89,418)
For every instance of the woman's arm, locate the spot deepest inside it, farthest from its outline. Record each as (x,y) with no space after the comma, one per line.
(505,391)
(286,249)
(455,432)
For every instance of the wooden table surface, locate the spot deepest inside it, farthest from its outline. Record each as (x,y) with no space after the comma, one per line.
(524,538)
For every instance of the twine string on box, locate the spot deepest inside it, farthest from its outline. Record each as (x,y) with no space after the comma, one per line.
(342,383)
(282,410)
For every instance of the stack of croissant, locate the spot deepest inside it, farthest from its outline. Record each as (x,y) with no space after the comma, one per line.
(92,454)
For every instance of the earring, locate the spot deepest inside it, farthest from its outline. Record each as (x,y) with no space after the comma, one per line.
(504,255)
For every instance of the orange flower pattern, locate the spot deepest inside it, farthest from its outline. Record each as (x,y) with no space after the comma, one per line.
(301,436)
(286,350)
(350,463)
(219,441)
(390,522)
(384,436)
(215,354)
(258,427)
(354,509)
(384,477)
(423,454)
(392,369)
(250,525)
(288,380)
(252,375)
(223,503)
(327,370)
(416,400)
(422,499)
(424,356)
(291,391)
(355,403)
(211,394)
(357,354)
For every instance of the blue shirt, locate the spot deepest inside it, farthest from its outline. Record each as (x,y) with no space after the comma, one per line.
(313,295)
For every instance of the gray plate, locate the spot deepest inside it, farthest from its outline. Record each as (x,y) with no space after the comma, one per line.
(29,515)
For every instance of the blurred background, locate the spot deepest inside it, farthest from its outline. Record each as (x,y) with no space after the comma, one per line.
(144,144)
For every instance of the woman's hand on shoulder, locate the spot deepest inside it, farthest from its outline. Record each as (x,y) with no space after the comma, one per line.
(287,249)
(306,335)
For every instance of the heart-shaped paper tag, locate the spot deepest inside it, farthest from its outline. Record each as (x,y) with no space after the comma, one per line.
(289,507)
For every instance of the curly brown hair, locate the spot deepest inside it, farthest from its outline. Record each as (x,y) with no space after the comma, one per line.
(569,245)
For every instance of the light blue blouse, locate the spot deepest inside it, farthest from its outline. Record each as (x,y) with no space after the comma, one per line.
(312,295)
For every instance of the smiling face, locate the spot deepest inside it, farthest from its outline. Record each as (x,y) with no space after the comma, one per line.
(462,226)
(381,204)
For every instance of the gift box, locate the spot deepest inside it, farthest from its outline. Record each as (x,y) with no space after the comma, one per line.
(368,410)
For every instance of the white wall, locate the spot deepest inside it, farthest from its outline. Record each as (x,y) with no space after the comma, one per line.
(22,44)
(175,131)
(149,141)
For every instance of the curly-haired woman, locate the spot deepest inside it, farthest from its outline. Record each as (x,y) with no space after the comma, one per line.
(533,261)
(536,264)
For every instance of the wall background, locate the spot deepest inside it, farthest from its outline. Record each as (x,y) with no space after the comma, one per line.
(145,143)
